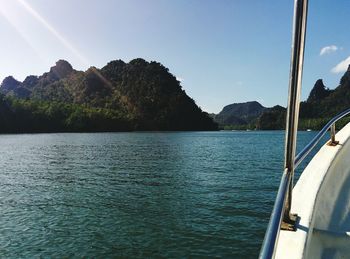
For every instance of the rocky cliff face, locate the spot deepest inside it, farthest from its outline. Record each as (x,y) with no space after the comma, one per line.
(62,69)
(321,105)
(144,92)
(9,84)
(318,92)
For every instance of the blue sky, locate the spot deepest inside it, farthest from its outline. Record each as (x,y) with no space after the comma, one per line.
(224,51)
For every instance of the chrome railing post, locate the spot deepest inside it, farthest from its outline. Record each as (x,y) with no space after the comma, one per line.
(333,142)
(333,133)
(281,215)
(271,237)
(296,70)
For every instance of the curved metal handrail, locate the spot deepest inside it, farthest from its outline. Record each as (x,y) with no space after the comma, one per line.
(272,233)
(281,217)
(273,229)
(307,149)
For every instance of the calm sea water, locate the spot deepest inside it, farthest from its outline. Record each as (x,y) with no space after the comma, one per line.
(133,195)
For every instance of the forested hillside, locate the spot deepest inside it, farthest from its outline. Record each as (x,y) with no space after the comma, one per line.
(239,114)
(321,105)
(138,95)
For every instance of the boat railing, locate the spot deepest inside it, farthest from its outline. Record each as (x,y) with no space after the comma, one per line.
(281,217)
(329,126)
(272,233)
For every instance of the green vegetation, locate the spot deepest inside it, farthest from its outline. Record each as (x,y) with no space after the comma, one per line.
(18,116)
(321,105)
(138,95)
(142,95)
(272,119)
(239,115)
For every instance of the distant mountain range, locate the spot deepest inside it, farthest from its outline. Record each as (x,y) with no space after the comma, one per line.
(243,115)
(239,113)
(321,105)
(141,95)
(138,95)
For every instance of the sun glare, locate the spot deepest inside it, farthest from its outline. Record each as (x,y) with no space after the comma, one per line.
(53,31)
(11,13)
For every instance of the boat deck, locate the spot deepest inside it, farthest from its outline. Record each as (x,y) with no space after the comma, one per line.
(321,198)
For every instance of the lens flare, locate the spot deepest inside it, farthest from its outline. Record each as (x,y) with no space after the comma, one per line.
(7,14)
(53,31)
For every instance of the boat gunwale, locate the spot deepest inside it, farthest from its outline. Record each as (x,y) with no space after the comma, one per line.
(305,198)
(274,227)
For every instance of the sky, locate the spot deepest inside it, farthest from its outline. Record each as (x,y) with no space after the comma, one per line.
(222,51)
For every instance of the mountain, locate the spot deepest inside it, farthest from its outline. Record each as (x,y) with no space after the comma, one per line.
(321,105)
(238,114)
(318,92)
(141,95)
(272,119)
(138,95)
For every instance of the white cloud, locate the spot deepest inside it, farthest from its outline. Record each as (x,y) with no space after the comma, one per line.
(328,50)
(342,66)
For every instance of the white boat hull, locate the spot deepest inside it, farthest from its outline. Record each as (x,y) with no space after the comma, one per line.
(321,198)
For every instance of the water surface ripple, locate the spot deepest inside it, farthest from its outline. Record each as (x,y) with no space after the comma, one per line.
(137,195)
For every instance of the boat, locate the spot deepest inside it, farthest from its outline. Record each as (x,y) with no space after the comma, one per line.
(312,218)
(308,130)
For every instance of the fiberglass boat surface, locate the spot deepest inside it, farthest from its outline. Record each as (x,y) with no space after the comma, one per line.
(321,198)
